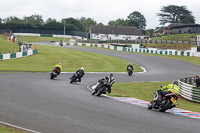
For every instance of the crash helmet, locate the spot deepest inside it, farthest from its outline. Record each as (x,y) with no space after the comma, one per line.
(82,68)
(175,82)
(60,64)
(111,74)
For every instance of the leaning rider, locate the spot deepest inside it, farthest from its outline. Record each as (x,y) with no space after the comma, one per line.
(110,80)
(58,68)
(170,88)
(80,73)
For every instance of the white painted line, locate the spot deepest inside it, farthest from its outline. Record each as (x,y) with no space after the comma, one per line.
(21,128)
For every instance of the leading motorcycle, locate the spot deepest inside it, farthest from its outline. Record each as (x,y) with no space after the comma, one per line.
(54,73)
(130,71)
(168,101)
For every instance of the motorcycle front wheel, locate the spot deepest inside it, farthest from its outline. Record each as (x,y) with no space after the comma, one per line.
(101,90)
(150,106)
(51,76)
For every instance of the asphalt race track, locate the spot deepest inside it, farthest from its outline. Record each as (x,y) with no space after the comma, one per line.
(33,101)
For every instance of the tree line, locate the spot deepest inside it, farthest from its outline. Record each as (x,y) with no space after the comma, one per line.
(168,14)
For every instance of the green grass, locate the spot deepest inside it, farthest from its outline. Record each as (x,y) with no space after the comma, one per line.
(38,39)
(145,90)
(72,60)
(170,46)
(177,37)
(7,46)
(6,129)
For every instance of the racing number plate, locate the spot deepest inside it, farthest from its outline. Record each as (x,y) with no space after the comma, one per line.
(173,100)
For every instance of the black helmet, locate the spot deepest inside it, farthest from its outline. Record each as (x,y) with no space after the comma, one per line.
(175,82)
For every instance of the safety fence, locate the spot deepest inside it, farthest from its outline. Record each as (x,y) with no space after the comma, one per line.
(132,49)
(17,54)
(188,89)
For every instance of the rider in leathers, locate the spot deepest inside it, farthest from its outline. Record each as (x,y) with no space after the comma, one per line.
(129,65)
(58,68)
(110,80)
(170,88)
(80,73)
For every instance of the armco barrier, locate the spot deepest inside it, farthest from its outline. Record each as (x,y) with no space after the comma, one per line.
(188,90)
(17,55)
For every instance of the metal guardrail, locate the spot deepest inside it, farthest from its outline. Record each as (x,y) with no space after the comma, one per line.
(188,90)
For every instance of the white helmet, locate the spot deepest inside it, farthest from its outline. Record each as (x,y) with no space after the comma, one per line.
(82,68)
(60,64)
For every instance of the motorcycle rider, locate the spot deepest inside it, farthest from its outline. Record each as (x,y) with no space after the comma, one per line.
(110,80)
(61,43)
(170,88)
(58,68)
(80,73)
(129,66)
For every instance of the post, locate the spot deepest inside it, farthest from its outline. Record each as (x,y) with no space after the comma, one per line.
(64,31)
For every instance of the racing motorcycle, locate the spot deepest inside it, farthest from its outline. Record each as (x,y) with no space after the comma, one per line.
(130,71)
(74,78)
(54,73)
(100,87)
(61,43)
(168,101)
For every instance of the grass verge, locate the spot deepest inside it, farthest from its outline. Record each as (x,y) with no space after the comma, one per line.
(72,60)
(145,90)
(8,129)
(177,37)
(38,38)
(7,46)
(170,46)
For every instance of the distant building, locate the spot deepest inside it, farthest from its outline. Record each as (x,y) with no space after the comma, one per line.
(184,28)
(178,28)
(115,33)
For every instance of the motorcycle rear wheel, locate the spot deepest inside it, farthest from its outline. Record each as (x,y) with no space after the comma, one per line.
(166,106)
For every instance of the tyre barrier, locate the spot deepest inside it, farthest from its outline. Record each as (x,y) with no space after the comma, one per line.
(18,54)
(188,90)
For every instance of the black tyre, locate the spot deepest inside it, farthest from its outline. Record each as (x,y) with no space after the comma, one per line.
(150,106)
(93,92)
(73,79)
(166,105)
(101,90)
(51,76)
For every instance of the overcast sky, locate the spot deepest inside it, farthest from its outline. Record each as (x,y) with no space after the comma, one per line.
(102,11)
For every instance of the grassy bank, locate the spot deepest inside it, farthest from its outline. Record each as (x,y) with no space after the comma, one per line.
(170,46)
(38,38)
(7,46)
(177,37)
(6,129)
(72,60)
(145,90)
